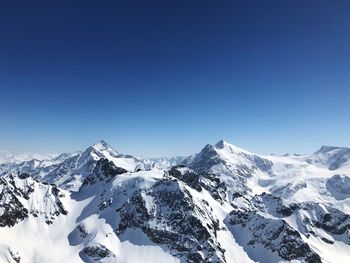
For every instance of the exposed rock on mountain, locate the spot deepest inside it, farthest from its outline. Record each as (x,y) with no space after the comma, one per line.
(223,204)
(22,196)
(170,216)
(331,156)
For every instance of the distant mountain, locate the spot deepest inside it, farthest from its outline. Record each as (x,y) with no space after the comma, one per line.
(333,157)
(162,162)
(68,170)
(7,157)
(224,204)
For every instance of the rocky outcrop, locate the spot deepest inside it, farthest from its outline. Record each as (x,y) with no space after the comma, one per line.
(339,186)
(96,253)
(275,235)
(104,170)
(168,214)
(22,196)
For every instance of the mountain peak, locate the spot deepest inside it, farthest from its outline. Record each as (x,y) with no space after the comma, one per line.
(101,149)
(326,149)
(100,143)
(224,145)
(221,144)
(102,146)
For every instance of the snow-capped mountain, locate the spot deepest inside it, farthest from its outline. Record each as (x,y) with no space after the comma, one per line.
(7,157)
(224,204)
(333,157)
(162,162)
(21,196)
(69,170)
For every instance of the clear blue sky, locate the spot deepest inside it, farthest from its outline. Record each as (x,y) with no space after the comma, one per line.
(166,77)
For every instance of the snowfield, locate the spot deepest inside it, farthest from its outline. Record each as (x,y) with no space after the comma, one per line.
(224,204)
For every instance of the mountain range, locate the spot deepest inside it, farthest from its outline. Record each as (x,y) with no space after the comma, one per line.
(223,204)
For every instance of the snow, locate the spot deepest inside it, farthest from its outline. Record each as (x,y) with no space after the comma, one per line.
(7,157)
(335,253)
(321,178)
(235,252)
(38,242)
(162,163)
(339,186)
(136,245)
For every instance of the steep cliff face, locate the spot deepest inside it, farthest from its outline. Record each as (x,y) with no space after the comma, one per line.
(22,196)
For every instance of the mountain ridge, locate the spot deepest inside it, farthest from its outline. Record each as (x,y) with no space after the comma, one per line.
(224,204)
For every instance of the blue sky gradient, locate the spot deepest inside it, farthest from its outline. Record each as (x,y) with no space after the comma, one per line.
(167,77)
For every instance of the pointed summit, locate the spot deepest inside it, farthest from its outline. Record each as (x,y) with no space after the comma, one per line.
(102,146)
(224,145)
(221,144)
(220,153)
(100,149)
(101,142)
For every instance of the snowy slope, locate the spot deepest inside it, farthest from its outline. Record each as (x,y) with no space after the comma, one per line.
(162,163)
(224,204)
